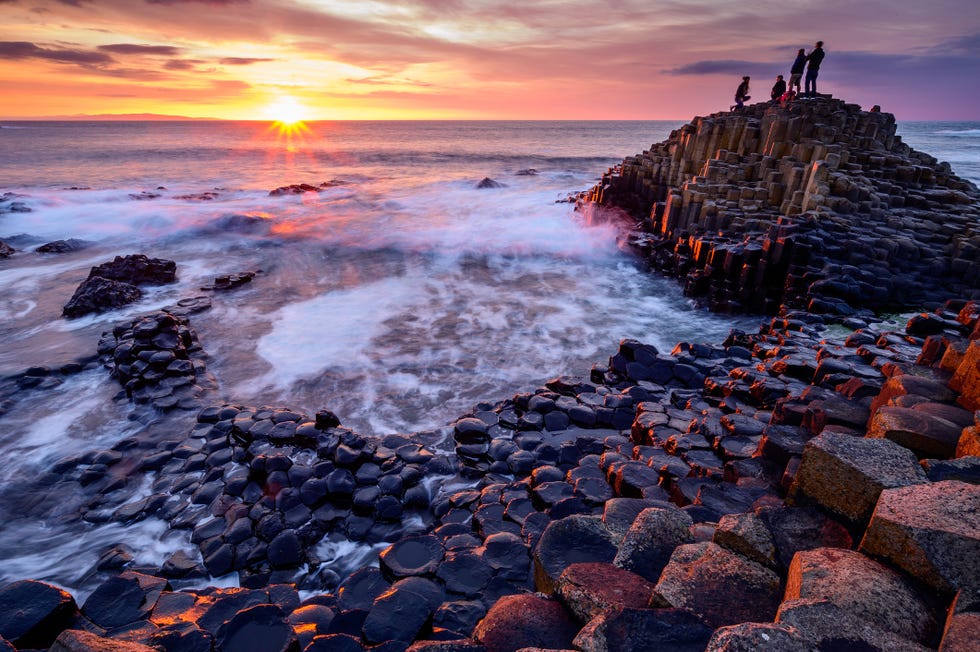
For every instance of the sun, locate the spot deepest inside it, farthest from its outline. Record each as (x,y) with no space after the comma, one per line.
(286,111)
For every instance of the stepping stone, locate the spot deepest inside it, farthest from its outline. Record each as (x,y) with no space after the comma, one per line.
(568,541)
(123,599)
(592,588)
(641,630)
(419,555)
(749,637)
(864,588)
(520,621)
(719,586)
(930,531)
(262,627)
(747,535)
(651,540)
(845,474)
(400,613)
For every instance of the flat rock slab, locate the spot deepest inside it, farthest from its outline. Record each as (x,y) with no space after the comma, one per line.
(845,474)
(519,621)
(927,435)
(641,630)
(962,633)
(262,627)
(76,640)
(399,613)
(568,541)
(830,627)
(33,613)
(721,587)
(592,588)
(865,588)
(750,637)
(930,531)
(747,535)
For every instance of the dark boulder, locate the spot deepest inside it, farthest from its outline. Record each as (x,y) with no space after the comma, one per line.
(487,182)
(335,643)
(62,246)
(97,294)
(569,541)
(6,251)
(123,599)
(419,555)
(32,613)
(360,589)
(137,270)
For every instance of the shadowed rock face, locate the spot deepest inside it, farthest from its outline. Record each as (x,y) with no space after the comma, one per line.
(816,205)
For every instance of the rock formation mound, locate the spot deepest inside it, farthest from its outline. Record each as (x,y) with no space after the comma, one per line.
(818,205)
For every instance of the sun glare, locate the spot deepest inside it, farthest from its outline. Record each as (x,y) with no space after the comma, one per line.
(286,111)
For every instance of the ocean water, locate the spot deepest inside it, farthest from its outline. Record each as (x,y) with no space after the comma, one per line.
(397,297)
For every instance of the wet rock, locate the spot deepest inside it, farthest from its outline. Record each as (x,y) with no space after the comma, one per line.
(862,587)
(931,531)
(648,545)
(592,588)
(464,572)
(638,630)
(182,637)
(6,251)
(719,586)
(419,555)
(619,513)
(507,555)
(62,246)
(749,637)
(568,541)
(520,621)
(399,613)
(225,605)
(262,627)
(845,474)
(487,182)
(137,270)
(459,616)
(96,294)
(32,613)
(123,599)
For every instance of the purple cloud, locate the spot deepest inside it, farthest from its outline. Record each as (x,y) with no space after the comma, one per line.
(25,50)
(133,48)
(241,61)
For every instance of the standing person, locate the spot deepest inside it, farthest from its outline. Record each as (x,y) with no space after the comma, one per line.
(741,93)
(812,68)
(796,71)
(778,89)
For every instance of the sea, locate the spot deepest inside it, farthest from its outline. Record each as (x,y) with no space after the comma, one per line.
(398,296)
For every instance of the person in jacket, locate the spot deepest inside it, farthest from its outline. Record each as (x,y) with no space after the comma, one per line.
(796,71)
(778,89)
(813,61)
(741,94)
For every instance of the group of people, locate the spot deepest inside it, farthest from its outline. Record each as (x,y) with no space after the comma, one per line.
(804,63)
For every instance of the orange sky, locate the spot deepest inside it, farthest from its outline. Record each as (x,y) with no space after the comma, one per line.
(536,59)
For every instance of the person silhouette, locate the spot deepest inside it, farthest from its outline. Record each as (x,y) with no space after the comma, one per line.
(813,61)
(777,89)
(796,71)
(741,94)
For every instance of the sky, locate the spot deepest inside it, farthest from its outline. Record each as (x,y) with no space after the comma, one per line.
(476,59)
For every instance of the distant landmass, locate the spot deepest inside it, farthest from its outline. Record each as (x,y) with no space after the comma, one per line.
(114,116)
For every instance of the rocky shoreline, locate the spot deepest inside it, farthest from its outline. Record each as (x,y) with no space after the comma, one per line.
(798,488)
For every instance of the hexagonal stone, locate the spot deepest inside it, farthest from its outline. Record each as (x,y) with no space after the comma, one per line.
(262,627)
(863,587)
(651,540)
(925,434)
(802,528)
(719,586)
(399,613)
(568,541)
(641,630)
(77,640)
(519,621)
(845,474)
(592,588)
(930,531)
(418,555)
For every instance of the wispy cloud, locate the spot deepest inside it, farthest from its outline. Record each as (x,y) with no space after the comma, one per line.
(135,48)
(26,50)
